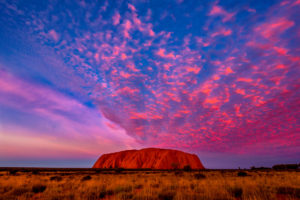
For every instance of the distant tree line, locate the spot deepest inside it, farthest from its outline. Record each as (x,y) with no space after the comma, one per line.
(278,167)
(253,168)
(286,166)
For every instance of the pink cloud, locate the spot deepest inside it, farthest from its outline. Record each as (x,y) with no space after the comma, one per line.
(161,53)
(127,26)
(201,42)
(222,31)
(247,80)
(228,70)
(167,66)
(272,30)
(125,75)
(54,35)
(280,66)
(132,67)
(97,57)
(150,31)
(219,11)
(131,7)
(194,69)
(127,90)
(297,2)
(251,10)
(116,18)
(123,56)
(141,26)
(240,91)
(281,50)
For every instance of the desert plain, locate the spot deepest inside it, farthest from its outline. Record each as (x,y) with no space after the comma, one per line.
(96,184)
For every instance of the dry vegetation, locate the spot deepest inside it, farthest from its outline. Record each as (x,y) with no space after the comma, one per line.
(90,185)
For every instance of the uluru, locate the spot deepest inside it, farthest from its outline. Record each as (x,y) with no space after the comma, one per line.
(149,158)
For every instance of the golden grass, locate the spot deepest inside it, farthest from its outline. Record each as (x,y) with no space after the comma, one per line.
(142,185)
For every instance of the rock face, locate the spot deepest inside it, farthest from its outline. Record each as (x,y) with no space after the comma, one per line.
(150,158)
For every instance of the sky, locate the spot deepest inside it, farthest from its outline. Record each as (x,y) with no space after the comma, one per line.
(220,79)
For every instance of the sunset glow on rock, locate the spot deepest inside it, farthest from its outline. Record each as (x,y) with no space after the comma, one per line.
(150,158)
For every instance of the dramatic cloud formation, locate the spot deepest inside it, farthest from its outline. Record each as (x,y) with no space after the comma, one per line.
(206,77)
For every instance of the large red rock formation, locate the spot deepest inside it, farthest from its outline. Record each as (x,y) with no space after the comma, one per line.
(150,158)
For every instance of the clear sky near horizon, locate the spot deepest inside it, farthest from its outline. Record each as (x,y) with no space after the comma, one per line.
(220,79)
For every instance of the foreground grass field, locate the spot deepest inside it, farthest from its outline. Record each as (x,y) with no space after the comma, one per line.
(143,185)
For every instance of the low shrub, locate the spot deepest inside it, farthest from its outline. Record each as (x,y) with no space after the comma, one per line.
(13,172)
(55,178)
(156,185)
(4,189)
(125,195)
(242,174)
(141,196)
(35,172)
(295,192)
(105,193)
(199,176)
(38,188)
(86,178)
(187,168)
(237,192)
(122,188)
(20,191)
(192,186)
(178,173)
(139,186)
(119,170)
(166,195)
